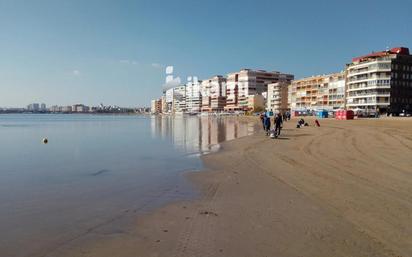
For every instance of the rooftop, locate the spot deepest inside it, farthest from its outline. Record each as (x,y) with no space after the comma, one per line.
(396,50)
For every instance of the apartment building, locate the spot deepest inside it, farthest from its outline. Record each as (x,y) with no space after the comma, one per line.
(35,107)
(304,93)
(168,105)
(277,97)
(193,96)
(214,94)
(240,85)
(380,82)
(81,108)
(205,92)
(217,93)
(156,106)
(336,91)
(256,103)
(321,92)
(179,99)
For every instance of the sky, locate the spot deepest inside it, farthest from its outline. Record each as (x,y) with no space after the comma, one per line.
(115,52)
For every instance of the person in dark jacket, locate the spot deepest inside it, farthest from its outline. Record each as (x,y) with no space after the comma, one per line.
(278,124)
(262,118)
(267,124)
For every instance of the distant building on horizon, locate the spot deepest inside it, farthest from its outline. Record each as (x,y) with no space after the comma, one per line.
(246,82)
(34,107)
(80,108)
(156,106)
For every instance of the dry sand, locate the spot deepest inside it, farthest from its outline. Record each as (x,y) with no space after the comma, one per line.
(344,189)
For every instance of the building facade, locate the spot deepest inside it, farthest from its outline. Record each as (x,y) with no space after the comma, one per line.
(277,97)
(179,99)
(256,103)
(304,93)
(168,106)
(80,108)
(247,82)
(213,92)
(217,93)
(336,90)
(321,92)
(193,97)
(156,106)
(380,82)
(205,92)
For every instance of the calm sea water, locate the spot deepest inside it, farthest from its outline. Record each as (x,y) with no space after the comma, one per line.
(94,171)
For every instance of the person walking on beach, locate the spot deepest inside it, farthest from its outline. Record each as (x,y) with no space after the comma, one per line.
(262,119)
(267,124)
(278,124)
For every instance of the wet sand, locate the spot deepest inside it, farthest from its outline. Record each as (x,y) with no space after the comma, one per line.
(344,189)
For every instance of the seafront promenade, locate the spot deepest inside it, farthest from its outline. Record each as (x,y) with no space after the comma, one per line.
(342,189)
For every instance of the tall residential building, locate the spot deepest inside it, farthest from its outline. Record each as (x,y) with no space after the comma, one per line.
(164,103)
(256,103)
(168,101)
(66,109)
(205,92)
(240,85)
(80,108)
(277,97)
(336,90)
(321,92)
(179,99)
(35,107)
(156,106)
(380,82)
(214,94)
(193,97)
(304,93)
(54,108)
(218,93)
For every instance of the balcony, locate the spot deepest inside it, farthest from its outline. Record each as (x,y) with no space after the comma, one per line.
(369,94)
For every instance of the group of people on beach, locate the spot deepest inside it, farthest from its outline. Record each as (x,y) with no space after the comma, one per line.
(278,120)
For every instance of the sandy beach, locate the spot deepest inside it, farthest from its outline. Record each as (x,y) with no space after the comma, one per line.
(343,189)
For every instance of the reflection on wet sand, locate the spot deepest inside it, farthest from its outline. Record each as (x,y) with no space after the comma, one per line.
(193,134)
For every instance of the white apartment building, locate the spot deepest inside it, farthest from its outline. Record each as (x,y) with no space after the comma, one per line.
(179,99)
(277,97)
(336,91)
(168,106)
(240,85)
(380,82)
(193,97)
(369,84)
(213,92)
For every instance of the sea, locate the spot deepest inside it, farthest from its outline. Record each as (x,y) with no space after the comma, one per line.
(96,170)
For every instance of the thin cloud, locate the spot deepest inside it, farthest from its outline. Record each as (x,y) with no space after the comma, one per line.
(157,65)
(76,72)
(132,62)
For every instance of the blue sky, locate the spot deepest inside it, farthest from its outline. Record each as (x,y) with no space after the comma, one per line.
(115,52)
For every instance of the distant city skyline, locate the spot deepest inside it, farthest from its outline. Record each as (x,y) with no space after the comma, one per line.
(116,52)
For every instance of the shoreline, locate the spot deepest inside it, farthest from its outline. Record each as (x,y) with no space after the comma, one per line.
(315,192)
